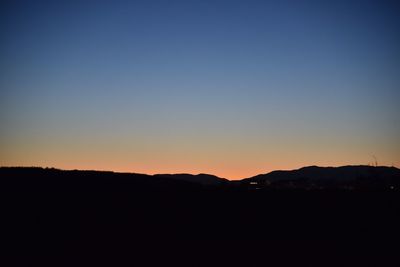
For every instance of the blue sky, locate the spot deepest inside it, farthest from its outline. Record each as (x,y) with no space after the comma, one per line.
(232,88)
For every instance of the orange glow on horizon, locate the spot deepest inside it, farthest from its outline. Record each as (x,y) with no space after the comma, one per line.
(229,174)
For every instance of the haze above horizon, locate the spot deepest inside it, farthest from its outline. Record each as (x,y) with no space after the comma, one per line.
(232,88)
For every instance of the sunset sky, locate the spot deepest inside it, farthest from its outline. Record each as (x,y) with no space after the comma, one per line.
(231,88)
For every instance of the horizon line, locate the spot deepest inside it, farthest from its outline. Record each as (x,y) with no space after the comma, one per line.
(200,173)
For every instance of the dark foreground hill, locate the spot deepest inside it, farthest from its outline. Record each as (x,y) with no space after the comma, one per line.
(85,218)
(353,178)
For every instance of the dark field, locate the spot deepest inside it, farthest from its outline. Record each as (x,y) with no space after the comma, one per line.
(76,218)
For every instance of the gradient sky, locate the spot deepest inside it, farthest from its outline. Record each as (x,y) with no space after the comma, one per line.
(232,88)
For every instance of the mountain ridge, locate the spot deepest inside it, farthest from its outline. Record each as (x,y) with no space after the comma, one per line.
(309,177)
(343,177)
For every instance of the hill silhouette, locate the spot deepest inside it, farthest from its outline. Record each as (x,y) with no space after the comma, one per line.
(53,217)
(309,178)
(205,179)
(345,177)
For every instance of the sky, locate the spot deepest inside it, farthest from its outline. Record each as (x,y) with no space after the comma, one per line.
(231,88)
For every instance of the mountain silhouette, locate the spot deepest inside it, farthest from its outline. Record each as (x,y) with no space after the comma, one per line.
(314,177)
(309,178)
(205,179)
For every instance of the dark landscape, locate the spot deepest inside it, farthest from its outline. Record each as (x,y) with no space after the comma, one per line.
(193,133)
(346,216)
